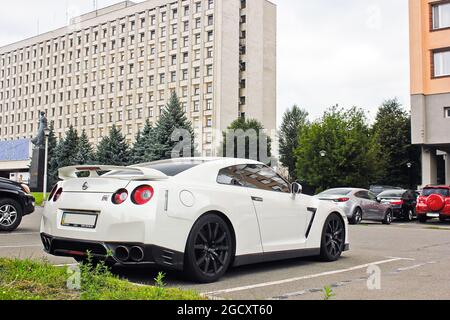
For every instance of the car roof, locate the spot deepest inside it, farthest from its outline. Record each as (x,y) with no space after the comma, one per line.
(437,187)
(204,160)
(353,190)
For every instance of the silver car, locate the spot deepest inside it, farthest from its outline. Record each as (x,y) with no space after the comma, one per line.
(359,204)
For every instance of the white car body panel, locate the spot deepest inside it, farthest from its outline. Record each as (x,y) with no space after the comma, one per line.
(278,224)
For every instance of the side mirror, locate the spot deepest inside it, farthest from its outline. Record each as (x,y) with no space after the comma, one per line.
(296,188)
(378,199)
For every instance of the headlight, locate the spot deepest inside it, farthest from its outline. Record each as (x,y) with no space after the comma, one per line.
(26,188)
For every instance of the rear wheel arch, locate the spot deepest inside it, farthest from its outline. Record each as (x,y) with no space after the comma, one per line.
(13,196)
(227,221)
(192,265)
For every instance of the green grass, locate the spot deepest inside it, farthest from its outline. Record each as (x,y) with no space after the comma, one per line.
(39,196)
(38,280)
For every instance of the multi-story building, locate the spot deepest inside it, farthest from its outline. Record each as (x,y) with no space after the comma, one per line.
(119,65)
(430,86)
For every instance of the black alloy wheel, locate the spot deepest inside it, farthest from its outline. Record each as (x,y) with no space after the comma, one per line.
(209,250)
(333,238)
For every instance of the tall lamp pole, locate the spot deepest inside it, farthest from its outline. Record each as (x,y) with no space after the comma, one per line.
(323,154)
(47,134)
(409,165)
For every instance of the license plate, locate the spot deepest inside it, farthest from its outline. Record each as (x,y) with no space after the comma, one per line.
(433,215)
(79,220)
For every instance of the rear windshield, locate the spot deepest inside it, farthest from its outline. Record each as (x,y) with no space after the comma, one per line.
(429,191)
(392,194)
(172,168)
(336,192)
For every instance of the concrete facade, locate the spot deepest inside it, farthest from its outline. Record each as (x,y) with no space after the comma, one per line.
(118,65)
(430,86)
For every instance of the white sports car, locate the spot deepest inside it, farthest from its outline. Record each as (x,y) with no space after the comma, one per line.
(199,215)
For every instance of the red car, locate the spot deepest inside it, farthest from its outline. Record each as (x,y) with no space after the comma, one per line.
(434,202)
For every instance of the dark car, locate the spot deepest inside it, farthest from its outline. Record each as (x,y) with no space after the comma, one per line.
(376,190)
(403,203)
(16,202)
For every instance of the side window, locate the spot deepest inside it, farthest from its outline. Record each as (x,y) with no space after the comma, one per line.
(230,176)
(264,178)
(362,195)
(371,196)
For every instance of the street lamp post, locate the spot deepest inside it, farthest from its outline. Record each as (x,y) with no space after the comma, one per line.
(409,165)
(323,154)
(47,134)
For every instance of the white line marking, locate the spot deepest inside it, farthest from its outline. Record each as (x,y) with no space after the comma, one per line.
(18,234)
(274,283)
(407,259)
(65,265)
(22,246)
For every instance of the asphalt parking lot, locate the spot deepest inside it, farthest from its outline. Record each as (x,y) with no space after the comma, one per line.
(401,261)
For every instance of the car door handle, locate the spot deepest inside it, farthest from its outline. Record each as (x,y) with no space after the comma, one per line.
(258,199)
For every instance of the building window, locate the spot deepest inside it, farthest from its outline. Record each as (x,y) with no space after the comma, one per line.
(441,16)
(447,112)
(441,63)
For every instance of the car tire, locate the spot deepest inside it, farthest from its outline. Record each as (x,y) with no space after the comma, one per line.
(14,210)
(209,250)
(387,218)
(333,239)
(357,217)
(409,216)
(422,219)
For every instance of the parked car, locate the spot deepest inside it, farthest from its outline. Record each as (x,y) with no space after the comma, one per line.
(199,215)
(403,203)
(359,204)
(434,202)
(16,202)
(376,190)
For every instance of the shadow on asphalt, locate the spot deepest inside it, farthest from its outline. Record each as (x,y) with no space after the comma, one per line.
(146,275)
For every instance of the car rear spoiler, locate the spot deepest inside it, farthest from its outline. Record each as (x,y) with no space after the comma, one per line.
(123,173)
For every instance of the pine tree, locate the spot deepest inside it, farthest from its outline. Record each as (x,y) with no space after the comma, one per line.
(67,149)
(114,149)
(172,120)
(85,154)
(293,121)
(140,152)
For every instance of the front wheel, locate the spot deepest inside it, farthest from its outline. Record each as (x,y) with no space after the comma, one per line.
(357,217)
(388,218)
(10,215)
(333,239)
(209,249)
(409,217)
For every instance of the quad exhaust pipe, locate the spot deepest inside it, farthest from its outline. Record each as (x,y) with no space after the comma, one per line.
(124,254)
(137,254)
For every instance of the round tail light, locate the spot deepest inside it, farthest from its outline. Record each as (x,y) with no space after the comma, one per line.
(57,194)
(120,196)
(52,193)
(143,194)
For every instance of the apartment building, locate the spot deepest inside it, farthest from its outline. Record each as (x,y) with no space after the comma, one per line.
(430,86)
(120,64)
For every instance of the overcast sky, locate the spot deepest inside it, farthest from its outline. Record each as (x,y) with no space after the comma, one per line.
(346,52)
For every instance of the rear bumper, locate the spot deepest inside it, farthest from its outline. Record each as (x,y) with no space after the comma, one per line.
(75,248)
